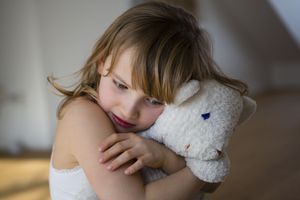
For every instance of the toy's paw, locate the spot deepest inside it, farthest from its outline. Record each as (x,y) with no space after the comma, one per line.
(201,152)
(213,171)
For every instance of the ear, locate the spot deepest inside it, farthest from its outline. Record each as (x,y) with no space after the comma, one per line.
(186,91)
(103,70)
(249,108)
(100,67)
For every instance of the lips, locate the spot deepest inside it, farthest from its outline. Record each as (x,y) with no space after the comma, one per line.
(121,122)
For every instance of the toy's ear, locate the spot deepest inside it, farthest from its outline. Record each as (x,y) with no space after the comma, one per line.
(186,91)
(249,108)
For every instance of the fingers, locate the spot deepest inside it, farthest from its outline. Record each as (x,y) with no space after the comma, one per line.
(125,157)
(111,140)
(134,167)
(125,148)
(115,150)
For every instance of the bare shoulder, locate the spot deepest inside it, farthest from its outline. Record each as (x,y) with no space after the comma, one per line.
(83,114)
(83,108)
(82,127)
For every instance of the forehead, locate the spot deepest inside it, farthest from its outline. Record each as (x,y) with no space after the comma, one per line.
(123,65)
(125,57)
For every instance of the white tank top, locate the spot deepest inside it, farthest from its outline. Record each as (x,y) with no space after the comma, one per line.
(72,184)
(69,184)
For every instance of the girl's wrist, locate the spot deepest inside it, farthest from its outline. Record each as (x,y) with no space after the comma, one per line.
(172,162)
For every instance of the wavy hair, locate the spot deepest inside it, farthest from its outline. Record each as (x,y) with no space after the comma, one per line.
(170,49)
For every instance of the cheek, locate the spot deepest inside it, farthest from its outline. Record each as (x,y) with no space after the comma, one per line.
(151,115)
(104,102)
(106,97)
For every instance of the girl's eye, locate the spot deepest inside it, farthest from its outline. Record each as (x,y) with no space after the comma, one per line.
(154,101)
(119,85)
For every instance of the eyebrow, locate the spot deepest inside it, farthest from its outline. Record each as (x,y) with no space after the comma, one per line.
(121,80)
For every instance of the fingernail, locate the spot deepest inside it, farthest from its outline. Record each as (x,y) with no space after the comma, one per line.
(101,160)
(127,172)
(109,167)
(100,149)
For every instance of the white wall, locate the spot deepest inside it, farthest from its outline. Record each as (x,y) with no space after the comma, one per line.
(23,111)
(40,37)
(289,14)
(232,52)
(285,75)
(68,30)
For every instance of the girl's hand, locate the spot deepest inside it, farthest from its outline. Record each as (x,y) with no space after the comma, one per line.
(124,147)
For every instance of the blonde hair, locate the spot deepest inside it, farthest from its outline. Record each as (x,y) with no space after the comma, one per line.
(170,49)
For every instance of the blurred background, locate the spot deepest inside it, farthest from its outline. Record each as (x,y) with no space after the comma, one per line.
(257,41)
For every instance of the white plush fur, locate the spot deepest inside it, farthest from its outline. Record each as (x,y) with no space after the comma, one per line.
(198,126)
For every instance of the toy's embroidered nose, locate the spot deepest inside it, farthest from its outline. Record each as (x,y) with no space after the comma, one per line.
(205,116)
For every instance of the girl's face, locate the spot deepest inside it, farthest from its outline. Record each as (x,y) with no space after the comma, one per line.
(130,110)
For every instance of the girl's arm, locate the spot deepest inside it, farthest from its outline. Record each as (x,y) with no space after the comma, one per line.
(123,147)
(118,149)
(85,126)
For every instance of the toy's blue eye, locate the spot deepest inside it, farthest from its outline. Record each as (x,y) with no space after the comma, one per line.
(205,116)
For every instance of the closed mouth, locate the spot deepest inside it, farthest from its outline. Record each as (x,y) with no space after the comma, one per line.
(121,122)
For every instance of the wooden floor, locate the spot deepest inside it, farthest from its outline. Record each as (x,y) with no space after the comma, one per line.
(265,157)
(24,177)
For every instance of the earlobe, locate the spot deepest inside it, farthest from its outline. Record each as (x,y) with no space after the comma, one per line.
(103,66)
(100,67)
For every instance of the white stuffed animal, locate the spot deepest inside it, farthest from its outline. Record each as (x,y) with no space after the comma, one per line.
(198,126)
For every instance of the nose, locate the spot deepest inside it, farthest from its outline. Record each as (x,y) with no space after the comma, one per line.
(131,108)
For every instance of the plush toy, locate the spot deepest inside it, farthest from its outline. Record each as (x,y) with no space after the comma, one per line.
(198,126)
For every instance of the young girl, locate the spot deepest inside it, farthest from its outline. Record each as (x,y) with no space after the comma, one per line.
(135,69)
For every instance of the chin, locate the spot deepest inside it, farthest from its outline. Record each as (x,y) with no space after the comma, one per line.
(127,130)
(122,129)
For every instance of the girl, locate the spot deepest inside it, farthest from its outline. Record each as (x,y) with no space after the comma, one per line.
(135,69)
